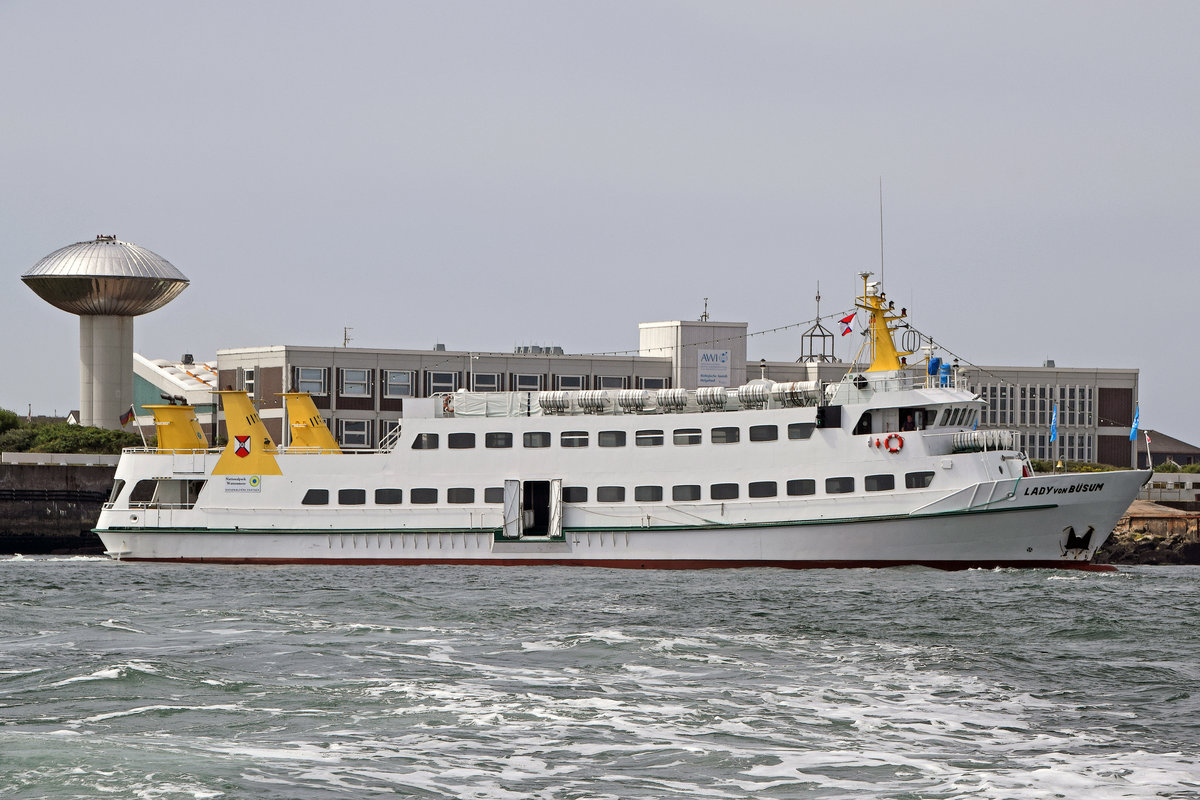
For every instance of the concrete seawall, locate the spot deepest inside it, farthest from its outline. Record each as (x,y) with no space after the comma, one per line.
(1153,534)
(51,508)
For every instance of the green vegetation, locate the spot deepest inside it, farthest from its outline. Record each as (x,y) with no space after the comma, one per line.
(19,436)
(1043,467)
(1171,466)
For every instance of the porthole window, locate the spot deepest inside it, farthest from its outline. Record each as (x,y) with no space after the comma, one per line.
(460,441)
(647,494)
(493,494)
(687,436)
(726,435)
(839,485)
(648,438)
(610,494)
(574,494)
(723,491)
(464,494)
(685,492)
(801,486)
(879,483)
(764,433)
(574,439)
(423,496)
(497,439)
(762,489)
(352,497)
(611,438)
(537,439)
(389,497)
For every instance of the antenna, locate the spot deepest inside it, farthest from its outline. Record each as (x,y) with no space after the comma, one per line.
(346,336)
(704,316)
(881,229)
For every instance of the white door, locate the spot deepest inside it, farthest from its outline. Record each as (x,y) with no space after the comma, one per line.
(555,526)
(512,509)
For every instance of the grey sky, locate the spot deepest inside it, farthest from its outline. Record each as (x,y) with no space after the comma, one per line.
(491,174)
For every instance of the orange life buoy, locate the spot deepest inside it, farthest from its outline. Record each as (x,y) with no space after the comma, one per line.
(448,405)
(899,444)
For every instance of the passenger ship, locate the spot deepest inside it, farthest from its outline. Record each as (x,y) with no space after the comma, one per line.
(883,468)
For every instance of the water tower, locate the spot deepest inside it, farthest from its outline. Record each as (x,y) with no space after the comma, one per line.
(107,283)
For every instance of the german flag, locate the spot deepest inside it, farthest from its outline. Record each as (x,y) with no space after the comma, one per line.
(127,417)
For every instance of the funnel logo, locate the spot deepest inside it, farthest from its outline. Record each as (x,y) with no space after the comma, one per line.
(242,449)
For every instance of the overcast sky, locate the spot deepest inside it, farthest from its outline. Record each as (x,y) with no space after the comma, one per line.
(500,173)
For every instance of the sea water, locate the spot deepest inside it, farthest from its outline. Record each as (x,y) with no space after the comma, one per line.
(171,681)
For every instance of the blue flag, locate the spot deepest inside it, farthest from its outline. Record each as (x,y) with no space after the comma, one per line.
(1054,423)
(1137,413)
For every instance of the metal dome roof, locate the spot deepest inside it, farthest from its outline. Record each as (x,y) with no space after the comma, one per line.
(105,276)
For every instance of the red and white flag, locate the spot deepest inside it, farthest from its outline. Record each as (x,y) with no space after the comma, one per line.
(847,323)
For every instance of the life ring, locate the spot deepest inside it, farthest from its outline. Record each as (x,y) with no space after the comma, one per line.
(448,404)
(899,444)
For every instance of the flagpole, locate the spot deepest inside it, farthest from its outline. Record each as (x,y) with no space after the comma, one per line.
(138,422)
(1149,458)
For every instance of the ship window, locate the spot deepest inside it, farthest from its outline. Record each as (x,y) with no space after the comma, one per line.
(352,497)
(493,494)
(726,435)
(497,439)
(647,494)
(313,497)
(311,379)
(611,438)
(687,436)
(648,438)
(764,433)
(762,489)
(945,417)
(801,430)
(610,494)
(460,441)
(931,415)
(569,383)
(423,496)
(801,486)
(610,382)
(537,439)
(397,383)
(425,441)
(485,382)
(652,384)
(356,382)
(527,383)
(879,483)
(687,491)
(143,492)
(574,494)
(118,485)
(460,495)
(389,497)
(864,424)
(839,485)
(918,480)
(574,439)
(723,491)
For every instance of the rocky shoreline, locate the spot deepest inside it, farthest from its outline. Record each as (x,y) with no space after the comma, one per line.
(1150,533)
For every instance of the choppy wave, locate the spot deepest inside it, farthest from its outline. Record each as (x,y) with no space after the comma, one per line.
(565,683)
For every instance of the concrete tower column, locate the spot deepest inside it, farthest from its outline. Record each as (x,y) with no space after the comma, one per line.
(112,370)
(85,370)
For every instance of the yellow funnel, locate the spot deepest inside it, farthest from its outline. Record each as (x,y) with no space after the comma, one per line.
(308,429)
(177,428)
(250,451)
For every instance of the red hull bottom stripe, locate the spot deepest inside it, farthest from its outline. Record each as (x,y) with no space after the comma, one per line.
(683,563)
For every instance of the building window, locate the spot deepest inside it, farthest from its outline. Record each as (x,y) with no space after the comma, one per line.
(879,483)
(352,497)
(425,441)
(574,439)
(486,382)
(687,436)
(537,439)
(460,441)
(611,382)
(611,438)
(647,494)
(726,435)
(313,497)
(493,494)
(610,494)
(423,496)
(248,382)
(441,382)
(527,383)
(497,439)
(918,480)
(460,495)
(312,380)
(762,489)
(648,438)
(569,383)
(723,491)
(839,485)
(685,492)
(356,383)
(764,433)
(354,432)
(801,430)
(397,383)
(653,384)
(389,497)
